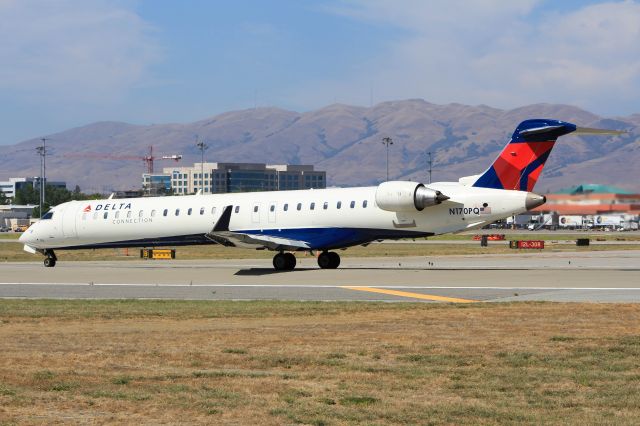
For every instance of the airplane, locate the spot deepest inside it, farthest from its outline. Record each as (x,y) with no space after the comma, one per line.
(318,221)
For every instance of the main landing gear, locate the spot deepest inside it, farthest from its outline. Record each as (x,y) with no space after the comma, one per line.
(50,260)
(284,262)
(328,260)
(287,261)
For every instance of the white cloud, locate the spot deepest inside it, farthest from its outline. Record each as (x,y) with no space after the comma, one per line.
(73,50)
(503,53)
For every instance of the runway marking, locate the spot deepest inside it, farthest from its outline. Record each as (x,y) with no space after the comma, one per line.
(412,295)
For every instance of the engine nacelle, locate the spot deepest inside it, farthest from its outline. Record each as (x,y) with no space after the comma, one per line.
(403,196)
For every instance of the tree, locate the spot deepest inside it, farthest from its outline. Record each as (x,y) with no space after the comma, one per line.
(27,195)
(54,196)
(3,198)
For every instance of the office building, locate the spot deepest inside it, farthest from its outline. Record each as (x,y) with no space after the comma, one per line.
(13,185)
(156,184)
(242,177)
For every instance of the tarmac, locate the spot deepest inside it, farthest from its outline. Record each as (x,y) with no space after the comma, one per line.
(589,276)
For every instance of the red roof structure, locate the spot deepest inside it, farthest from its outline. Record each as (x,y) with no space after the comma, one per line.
(590,204)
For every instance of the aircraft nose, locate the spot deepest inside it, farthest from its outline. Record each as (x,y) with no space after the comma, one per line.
(27,236)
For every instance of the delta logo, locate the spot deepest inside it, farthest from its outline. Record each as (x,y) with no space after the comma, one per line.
(108,206)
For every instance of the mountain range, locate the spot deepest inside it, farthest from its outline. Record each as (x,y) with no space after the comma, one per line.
(344,140)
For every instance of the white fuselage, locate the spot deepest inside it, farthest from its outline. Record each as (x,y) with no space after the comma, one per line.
(293,215)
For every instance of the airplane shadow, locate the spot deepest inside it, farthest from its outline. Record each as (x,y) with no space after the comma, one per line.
(267,271)
(270,271)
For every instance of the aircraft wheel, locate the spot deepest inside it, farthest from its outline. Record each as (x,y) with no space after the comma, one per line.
(280,262)
(335,259)
(49,262)
(291,261)
(326,260)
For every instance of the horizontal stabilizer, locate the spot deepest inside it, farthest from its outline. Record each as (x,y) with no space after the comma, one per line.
(590,131)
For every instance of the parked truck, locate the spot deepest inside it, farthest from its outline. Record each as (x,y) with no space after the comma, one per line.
(574,222)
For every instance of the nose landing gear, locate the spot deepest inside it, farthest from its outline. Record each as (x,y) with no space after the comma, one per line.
(328,260)
(50,260)
(284,262)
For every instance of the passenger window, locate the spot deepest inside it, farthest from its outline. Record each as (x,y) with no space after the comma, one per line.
(201,210)
(153,213)
(339,205)
(117,215)
(141,213)
(106,214)
(129,214)
(213,210)
(177,212)
(286,207)
(189,211)
(84,216)
(325,205)
(165,212)
(312,206)
(95,215)
(364,204)
(255,209)
(237,209)
(299,207)
(353,204)
(272,208)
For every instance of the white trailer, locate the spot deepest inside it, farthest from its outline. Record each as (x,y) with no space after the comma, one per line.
(614,221)
(571,221)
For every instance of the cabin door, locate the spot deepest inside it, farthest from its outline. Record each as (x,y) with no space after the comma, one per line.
(69,221)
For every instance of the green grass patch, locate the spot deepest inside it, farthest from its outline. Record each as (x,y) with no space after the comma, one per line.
(236,351)
(358,400)
(121,380)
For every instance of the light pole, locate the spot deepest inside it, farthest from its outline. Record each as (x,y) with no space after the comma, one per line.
(43,180)
(430,163)
(387,141)
(202,146)
(42,152)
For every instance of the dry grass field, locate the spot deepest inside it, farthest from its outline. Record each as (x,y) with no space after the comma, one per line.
(164,362)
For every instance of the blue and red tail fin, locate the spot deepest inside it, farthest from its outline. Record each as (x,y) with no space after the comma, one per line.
(520,163)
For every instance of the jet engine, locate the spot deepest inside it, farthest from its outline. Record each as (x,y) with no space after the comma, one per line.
(403,196)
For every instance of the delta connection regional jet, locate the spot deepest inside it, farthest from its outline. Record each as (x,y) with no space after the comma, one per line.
(314,220)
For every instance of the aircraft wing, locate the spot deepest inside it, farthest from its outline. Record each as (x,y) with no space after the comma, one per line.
(222,235)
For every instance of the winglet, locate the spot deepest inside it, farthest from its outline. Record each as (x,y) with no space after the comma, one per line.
(223,223)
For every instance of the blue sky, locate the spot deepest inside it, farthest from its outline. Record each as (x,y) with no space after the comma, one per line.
(66,63)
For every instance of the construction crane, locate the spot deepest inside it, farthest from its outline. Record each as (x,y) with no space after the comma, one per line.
(147,159)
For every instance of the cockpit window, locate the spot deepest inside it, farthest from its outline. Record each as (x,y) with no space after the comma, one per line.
(48,215)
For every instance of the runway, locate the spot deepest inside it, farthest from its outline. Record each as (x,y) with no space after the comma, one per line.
(606,276)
